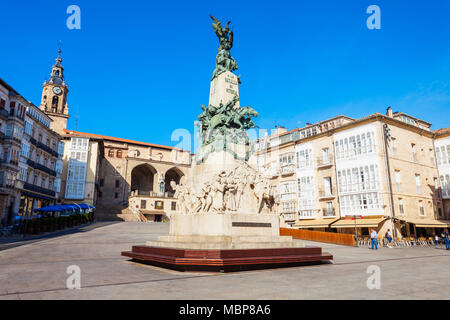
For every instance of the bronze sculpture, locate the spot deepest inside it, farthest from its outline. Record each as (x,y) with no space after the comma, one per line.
(224,60)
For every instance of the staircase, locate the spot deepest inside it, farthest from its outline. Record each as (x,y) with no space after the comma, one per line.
(116,213)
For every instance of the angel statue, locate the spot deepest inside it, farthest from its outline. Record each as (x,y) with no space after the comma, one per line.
(226,43)
(224,60)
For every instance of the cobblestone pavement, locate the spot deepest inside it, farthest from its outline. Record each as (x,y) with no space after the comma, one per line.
(38,270)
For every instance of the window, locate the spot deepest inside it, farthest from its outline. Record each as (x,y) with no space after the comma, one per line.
(102,181)
(111,153)
(143,204)
(394,147)
(304,158)
(326,155)
(116,195)
(173,205)
(436,187)
(397,180)
(329,211)
(421,210)
(413,152)
(359,144)
(418,189)
(117,183)
(159,205)
(358,179)
(119,153)
(400,206)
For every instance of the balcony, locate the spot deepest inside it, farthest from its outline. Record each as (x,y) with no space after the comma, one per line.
(151,194)
(273,172)
(38,166)
(287,170)
(12,116)
(11,139)
(45,169)
(289,216)
(32,187)
(328,212)
(324,162)
(326,195)
(47,149)
(4,113)
(307,214)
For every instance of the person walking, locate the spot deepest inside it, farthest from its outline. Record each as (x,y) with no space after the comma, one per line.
(388,236)
(447,240)
(436,239)
(373,238)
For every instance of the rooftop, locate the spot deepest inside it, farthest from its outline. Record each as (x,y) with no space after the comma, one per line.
(107,138)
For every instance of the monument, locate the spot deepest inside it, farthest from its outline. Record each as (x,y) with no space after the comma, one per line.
(226,215)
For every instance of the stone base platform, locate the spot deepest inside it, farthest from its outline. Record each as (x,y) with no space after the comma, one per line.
(224,242)
(220,260)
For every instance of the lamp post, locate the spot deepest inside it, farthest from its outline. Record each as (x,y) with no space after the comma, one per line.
(354,217)
(387,137)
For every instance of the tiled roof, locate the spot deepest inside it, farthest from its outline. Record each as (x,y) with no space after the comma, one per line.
(441,131)
(98,136)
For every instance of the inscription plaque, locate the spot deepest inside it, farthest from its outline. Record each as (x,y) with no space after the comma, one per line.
(251,224)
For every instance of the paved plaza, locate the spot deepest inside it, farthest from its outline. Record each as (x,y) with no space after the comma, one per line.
(37,270)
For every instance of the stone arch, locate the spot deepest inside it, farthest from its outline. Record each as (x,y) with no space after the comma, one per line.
(174,174)
(143,179)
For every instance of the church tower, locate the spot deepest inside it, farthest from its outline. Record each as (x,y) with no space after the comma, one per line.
(54,97)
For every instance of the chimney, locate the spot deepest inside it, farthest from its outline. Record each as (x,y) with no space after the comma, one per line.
(281,130)
(389,112)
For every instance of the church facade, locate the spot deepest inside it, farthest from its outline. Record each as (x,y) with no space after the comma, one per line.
(124,179)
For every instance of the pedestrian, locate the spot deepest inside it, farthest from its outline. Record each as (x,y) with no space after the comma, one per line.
(388,236)
(373,238)
(436,240)
(447,240)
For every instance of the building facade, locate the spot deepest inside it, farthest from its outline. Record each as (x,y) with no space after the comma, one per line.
(442,147)
(375,172)
(29,156)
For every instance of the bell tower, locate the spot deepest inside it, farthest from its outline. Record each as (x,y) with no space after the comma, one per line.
(54,97)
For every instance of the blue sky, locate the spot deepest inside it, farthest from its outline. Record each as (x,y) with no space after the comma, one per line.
(141,69)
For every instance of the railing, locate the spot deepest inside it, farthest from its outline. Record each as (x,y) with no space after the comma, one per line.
(4,113)
(144,193)
(304,163)
(12,138)
(47,149)
(324,161)
(287,169)
(355,152)
(35,188)
(320,236)
(326,194)
(15,116)
(328,212)
(45,169)
(307,214)
(288,216)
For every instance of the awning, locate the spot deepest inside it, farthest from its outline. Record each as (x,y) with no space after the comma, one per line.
(316,223)
(152,212)
(56,208)
(428,223)
(37,196)
(367,222)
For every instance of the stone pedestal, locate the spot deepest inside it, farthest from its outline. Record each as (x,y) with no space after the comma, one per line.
(223,89)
